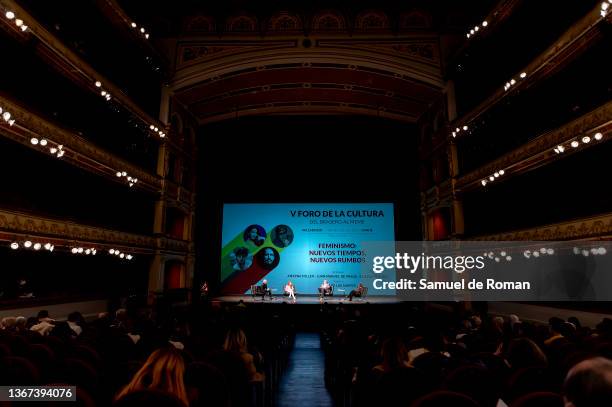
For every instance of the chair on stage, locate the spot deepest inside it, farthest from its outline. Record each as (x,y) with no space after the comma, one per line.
(257,291)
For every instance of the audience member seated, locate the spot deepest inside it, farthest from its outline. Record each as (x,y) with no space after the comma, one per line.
(236,342)
(163,371)
(589,384)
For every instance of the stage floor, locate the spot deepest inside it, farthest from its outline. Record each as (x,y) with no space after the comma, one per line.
(306,299)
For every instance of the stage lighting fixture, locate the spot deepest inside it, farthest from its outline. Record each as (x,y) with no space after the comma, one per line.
(37,246)
(74,250)
(10,15)
(598,136)
(574,144)
(19,22)
(34,140)
(43,142)
(586,139)
(485,23)
(27,244)
(14,245)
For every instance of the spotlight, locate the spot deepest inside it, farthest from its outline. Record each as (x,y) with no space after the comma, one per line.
(14,245)
(594,250)
(465,127)
(11,122)
(98,84)
(543,250)
(6,116)
(118,173)
(147,36)
(586,139)
(454,134)
(468,35)
(27,244)
(80,250)
(604,6)
(47,246)
(512,81)
(24,27)
(457,129)
(550,252)
(602,250)
(503,254)
(476,28)
(51,248)
(491,178)
(103,93)
(133,25)
(574,144)
(129,257)
(74,250)
(142,30)
(485,23)
(34,140)
(508,258)
(43,142)
(88,251)
(122,255)
(576,250)
(37,246)
(497,260)
(523,75)
(502,172)
(598,136)
(472,32)
(536,254)
(123,174)
(10,15)
(18,22)
(585,253)
(556,150)
(561,148)
(483,182)
(496,174)
(111,251)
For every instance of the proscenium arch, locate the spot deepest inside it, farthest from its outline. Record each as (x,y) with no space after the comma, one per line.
(350,57)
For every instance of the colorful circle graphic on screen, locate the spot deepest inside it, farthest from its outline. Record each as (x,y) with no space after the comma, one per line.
(282,236)
(240,259)
(255,234)
(267,258)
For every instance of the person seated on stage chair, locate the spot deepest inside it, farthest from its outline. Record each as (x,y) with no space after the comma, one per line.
(325,289)
(290,291)
(358,292)
(265,290)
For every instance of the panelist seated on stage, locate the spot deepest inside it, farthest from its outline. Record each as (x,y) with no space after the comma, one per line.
(326,289)
(290,290)
(360,291)
(264,290)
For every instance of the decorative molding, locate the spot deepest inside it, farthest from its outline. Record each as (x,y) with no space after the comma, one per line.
(79,152)
(329,21)
(587,228)
(206,51)
(540,150)
(21,224)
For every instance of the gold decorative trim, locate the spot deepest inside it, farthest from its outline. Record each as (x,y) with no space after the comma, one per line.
(586,228)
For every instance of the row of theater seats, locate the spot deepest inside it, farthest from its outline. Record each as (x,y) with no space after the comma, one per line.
(422,360)
(104,358)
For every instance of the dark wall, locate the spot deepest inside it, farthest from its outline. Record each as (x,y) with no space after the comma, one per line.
(303,159)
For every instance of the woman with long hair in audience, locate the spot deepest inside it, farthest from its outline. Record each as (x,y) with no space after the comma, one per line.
(394,356)
(163,371)
(236,342)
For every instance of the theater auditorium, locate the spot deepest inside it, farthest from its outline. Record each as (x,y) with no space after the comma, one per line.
(234,203)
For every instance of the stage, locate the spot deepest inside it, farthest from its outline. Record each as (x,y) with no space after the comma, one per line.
(306,299)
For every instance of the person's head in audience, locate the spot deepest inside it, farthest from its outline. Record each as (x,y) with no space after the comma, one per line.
(8,323)
(235,341)
(394,354)
(21,324)
(589,384)
(162,371)
(43,315)
(524,352)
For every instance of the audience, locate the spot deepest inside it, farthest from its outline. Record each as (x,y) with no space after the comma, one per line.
(225,355)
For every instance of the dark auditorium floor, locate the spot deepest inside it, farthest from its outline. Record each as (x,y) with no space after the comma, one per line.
(303,382)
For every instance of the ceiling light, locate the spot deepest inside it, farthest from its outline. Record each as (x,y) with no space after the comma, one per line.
(512,81)
(37,246)
(98,84)
(523,75)
(74,250)
(18,22)
(6,116)
(465,127)
(598,136)
(586,139)
(43,142)
(27,244)
(483,182)
(485,23)
(14,245)
(34,140)
(574,144)
(10,15)
(502,172)
(133,25)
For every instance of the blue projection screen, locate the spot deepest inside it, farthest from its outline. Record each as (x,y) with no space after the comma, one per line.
(301,243)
